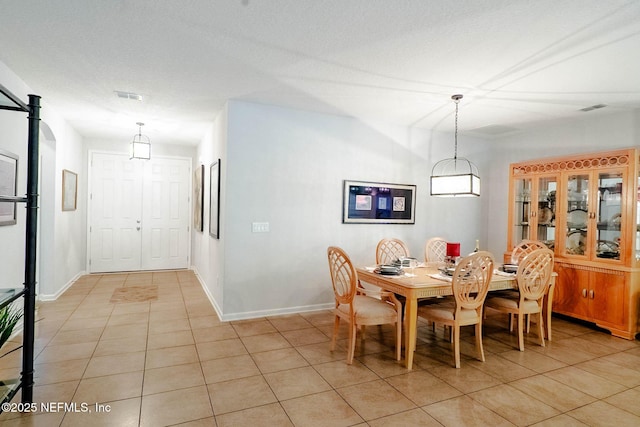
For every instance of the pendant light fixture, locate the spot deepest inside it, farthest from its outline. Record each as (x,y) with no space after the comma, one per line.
(141,145)
(457,176)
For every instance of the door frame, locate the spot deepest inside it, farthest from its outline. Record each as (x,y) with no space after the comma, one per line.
(90,154)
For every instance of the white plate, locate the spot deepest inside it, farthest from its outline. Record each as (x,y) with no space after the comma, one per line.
(576,243)
(545,215)
(577,219)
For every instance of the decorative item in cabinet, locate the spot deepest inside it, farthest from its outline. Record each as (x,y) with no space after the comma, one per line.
(595,232)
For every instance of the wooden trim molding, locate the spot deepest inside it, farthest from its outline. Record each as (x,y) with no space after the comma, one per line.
(615,160)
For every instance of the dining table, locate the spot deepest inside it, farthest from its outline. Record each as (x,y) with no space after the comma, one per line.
(424,281)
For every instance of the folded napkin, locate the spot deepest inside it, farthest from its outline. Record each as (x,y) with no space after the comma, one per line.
(441,277)
(503,273)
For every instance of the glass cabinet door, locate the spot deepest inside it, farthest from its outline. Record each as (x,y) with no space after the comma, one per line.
(534,212)
(609,215)
(546,211)
(577,208)
(637,226)
(521,210)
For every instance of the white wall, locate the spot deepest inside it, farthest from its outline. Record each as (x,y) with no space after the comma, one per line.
(286,167)
(208,252)
(67,256)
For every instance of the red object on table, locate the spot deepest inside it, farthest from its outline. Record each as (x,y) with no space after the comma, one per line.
(453,249)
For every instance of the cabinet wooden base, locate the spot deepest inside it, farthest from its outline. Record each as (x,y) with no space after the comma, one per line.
(596,325)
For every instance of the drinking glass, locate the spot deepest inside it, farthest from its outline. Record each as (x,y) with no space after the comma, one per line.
(413,263)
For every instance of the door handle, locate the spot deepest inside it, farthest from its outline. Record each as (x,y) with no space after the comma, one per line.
(138,228)
(591,294)
(584,293)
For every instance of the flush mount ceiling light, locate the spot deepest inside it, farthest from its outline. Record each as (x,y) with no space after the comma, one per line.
(457,176)
(141,145)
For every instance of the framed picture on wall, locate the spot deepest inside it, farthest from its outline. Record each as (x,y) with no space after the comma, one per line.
(378,203)
(214,200)
(8,184)
(198,197)
(69,190)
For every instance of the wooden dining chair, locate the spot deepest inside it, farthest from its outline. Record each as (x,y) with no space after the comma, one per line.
(359,306)
(533,277)
(390,250)
(469,285)
(524,248)
(434,251)
(521,250)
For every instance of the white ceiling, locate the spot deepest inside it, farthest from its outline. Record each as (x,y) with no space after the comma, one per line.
(519,63)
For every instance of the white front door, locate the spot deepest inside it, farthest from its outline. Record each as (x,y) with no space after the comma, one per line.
(138,213)
(165,214)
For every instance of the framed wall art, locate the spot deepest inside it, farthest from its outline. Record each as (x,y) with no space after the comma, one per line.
(198,197)
(8,184)
(378,203)
(69,190)
(214,200)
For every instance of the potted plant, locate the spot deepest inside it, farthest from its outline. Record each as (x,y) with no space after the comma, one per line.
(9,318)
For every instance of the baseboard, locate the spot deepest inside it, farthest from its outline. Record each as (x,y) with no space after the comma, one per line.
(53,297)
(260,313)
(212,300)
(277,312)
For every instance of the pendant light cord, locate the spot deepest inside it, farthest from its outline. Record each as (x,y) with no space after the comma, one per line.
(456,99)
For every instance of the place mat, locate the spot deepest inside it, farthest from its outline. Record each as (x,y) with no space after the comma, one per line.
(441,277)
(504,273)
(135,294)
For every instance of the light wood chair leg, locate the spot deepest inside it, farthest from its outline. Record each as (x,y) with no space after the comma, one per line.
(352,343)
(521,331)
(548,307)
(541,328)
(456,345)
(336,328)
(479,348)
(399,340)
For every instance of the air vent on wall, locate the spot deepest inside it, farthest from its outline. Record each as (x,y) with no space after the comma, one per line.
(593,107)
(128,95)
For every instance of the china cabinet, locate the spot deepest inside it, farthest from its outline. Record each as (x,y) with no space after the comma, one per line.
(586,208)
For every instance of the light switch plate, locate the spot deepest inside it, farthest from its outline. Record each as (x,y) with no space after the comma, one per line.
(260,227)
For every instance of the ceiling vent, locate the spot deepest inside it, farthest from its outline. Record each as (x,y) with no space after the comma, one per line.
(593,107)
(128,95)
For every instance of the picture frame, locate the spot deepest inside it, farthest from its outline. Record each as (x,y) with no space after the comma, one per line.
(378,203)
(69,190)
(8,186)
(214,200)
(198,198)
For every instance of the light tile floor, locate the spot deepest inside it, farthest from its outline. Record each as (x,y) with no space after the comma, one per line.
(170,361)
